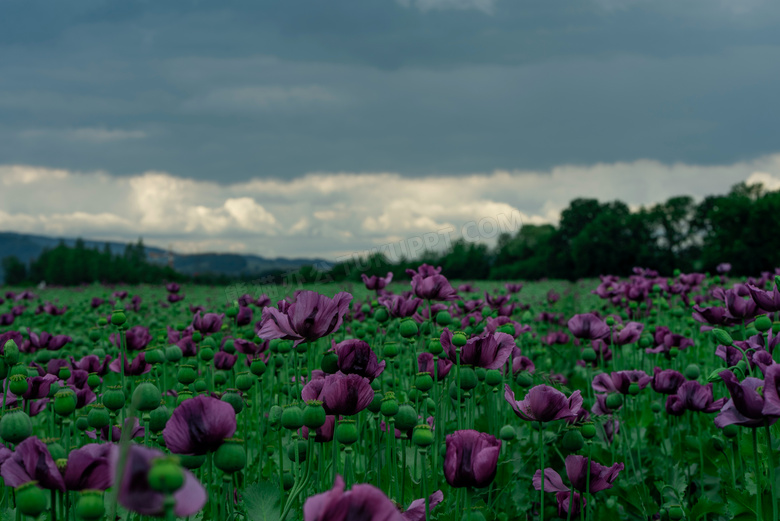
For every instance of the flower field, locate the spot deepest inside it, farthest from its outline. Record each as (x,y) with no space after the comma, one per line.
(647,397)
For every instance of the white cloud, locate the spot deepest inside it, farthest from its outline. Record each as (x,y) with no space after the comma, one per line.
(327,214)
(87,135)
(486,6)
(260,98)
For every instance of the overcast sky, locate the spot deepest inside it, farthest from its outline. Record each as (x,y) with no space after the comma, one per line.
(324,127)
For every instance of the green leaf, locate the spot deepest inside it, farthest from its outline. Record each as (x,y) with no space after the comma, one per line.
(706,506)
(261,501)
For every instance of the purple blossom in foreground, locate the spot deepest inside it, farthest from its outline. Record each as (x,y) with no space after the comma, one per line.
(199,425)
(311,317)
(544,404)
(471,459)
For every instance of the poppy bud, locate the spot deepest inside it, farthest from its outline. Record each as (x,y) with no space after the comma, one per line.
(81,422)
(231,312)
(673,352)
(146,397)
(493,377)
(730,431)
(292,417)
(257,367)
(30,499)
(314,415)
(692,372)
(166,475)
(610,321)
(346,432)
(18,384)
(406,418)
(424,382)
(186,374)
(633,388)
(717,444)
(656,407)
(191,462)
(742,365)
(288,481)
(675,513)
(408,328)
(158,418)
(389,405)
(573,440)
(443,318)
(197,336)
(381,315)
(524,379)
(390,350)
(614,400)
(301,451)
(15,426)
(468,378)
(434,347)
(90,506)
(459,339)
(244,382)
(588,431)
(722,337)
(93,380)
(589,354)
(118,317)
(507,433)
(98,417)
(206,354)
(422,436)
(234,399)
(230,456)
(114,398)
(65,402)
(330,362)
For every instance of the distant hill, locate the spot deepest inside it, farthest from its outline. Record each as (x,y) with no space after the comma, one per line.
(28,247)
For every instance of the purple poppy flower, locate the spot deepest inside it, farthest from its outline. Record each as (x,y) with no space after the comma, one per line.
(250,348)
(137,338)
(723,268)
(362,503)
(46,341)
(175,297)
(31,461)
(172,287)
(493,324)
(488,350)
(556,338)
(357,357)
(199,425)
(667,381)
(434,287)
(739,308)
(6,319)
(39,386)
(619,381)
(224,361)
(588,326)
(311,317)
(136,495)
(92,364)
(416,510)
(375,282)
(121,295)
(693,396)
(89,467)
(340,394)
(513,288)
(467,288)
(521,363)
(399,306)
(244,316)
(137,367)
(553,296)
(425,364)
(772,391)
(746,405)
(471,459)
(600,407)
(577,470)
(628,334)
(113,433)
(424,270)
(208,323)
(544,404)
(96,302)
(325,433)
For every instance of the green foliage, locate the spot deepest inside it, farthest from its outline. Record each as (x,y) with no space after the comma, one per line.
(261,501)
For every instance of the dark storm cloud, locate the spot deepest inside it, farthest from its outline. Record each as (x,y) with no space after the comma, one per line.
(234,90)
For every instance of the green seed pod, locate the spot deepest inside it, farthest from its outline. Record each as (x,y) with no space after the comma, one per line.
(197,336)
(11,352)
(493,377)
(90,506)
(434,347)
(408,328)
(184,394)
(459,339)
(389,405)
(154,356)
(166,475)
(573,440)
(673,352)
(730,431)
(302,451)
(722,337)
(346,432)
(423,382)
(118,317)
(692,372)
(381,315)
(173,353)
(231,312)
(220,378)
(146,397)
(230,456)
(614,400)
(588,430)
(330,363)
(93,380)
(656,407)
(314,415)
(675,513)
(480,372)
(284,346)
(114,398)
(376,403)
(192,462)
(20,370)
(422,435)
(98,416)
(18,384)
(507,433)
(64,373)
(15,426)
(292,417)
(287,481)
(206,354)
(234,399)
(524,379)
(509,329)
(200,386)
(56,449)
(94,334)
(443,318)
(406,418)
(390,350)
(158,418)
(257,367)
(65,402)
(633,389)
(468,378)
(244,382)
(589,355)
(30,500)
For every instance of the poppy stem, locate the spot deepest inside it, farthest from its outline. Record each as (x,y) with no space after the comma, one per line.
(541,465)
(771,468)
(424,460)
(759,508)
